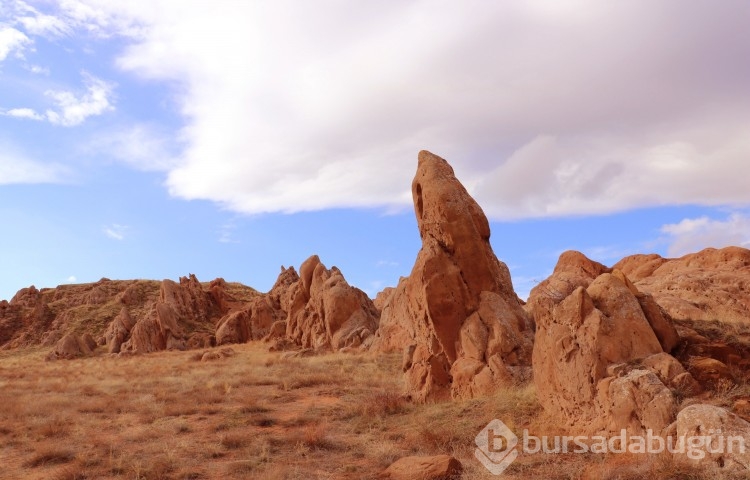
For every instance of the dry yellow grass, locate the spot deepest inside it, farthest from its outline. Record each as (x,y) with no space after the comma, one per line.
(252,415)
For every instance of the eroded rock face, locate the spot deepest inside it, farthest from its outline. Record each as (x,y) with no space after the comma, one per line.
(118,331)
(586,341)
(72,346)
(717,426)
(325,312)
(180,307)
(713,284)
(456,315)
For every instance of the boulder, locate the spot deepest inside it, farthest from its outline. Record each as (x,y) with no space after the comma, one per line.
(277,330)
(439,467)
(672,374)
(573,270)
(724,439)
(72,346)
(587,347)
(234,328)
(263,314)
(456,315)
(710,373)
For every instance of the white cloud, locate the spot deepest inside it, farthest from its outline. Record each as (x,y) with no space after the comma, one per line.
(22,113)
(226,233)
(38,70)
(11,40)
(115,231)
(694,234)
(74,109)
(16,168)
(38,23)
(544,108)
(386,263)
(556,176)
(143,147)
(71,279)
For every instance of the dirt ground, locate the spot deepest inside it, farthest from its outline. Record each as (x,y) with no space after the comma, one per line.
(255,414)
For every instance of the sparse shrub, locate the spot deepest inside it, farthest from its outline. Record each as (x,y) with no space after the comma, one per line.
(383,403)
(234,440)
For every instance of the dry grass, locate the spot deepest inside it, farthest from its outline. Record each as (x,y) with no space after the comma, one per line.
(253,415)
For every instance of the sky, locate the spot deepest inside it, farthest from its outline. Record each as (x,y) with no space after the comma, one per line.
(153,139)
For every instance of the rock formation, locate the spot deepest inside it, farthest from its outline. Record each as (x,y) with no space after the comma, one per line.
(127,315)
(252,323)
(456,316)
(598,362)
(725,437)
(72,346)
(325,312)
(709,285)
(184,310)
(118,331)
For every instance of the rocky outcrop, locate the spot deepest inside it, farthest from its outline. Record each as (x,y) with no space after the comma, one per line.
(325,312)
(382,298)
(724,439)
(456,315)
(280,293)
(252,323)
(180,309)
(118,331)
(43,317)
(234,328)
(26,319)
(72,346)
(710,373)
(598,364)
(128,315)
(713,284)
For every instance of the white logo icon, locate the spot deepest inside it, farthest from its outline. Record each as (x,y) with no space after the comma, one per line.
(496,447)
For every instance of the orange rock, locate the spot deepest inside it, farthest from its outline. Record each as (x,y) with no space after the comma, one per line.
(439,467)
(71,346)
(456,316)
(713,284)
(709,372)
(325,312)
(584,341)
(715,426)
(117,331)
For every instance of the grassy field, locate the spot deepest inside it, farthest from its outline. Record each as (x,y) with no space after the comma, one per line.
(255,414)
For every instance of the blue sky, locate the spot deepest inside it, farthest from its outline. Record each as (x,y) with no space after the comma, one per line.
(156,139)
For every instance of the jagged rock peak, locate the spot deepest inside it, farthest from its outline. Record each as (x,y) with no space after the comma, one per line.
(456,316)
